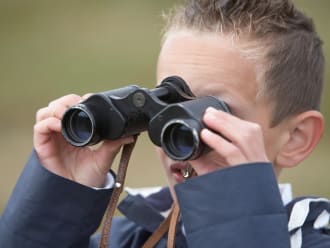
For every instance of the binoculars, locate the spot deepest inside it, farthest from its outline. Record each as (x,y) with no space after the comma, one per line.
(170,113)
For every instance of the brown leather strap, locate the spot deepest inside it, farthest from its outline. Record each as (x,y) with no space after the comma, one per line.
(169,224)
(173,225)
(119,184)
(158,233)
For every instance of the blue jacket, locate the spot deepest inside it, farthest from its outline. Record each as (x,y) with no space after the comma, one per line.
(235,207)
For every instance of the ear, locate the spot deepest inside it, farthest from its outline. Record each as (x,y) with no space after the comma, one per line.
(305,131)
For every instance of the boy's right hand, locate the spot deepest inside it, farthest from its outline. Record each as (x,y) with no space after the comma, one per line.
(84,165)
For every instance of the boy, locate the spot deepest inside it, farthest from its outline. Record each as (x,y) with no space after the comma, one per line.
(264,59)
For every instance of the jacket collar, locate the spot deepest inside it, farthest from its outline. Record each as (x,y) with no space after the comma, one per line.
(147,209)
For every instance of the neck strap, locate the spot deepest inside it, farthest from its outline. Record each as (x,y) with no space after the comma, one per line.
(119,185)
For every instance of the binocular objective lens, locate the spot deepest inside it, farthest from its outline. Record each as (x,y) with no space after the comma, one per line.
(178,140)
(81,127)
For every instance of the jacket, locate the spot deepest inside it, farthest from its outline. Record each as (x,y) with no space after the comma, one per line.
(235,207)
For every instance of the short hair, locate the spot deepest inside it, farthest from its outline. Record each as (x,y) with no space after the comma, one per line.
(282,39)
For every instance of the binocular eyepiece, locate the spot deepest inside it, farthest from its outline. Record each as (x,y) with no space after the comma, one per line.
(170,113)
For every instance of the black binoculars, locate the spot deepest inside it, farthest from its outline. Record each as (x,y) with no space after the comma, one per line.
(170,112)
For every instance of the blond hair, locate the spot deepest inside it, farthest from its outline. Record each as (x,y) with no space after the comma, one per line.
(279,36)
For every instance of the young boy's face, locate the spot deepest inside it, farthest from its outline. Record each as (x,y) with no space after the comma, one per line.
(213,65)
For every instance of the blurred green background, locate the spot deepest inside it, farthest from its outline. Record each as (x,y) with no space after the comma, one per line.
(51,48)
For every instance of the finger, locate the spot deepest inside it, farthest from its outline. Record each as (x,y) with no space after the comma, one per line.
(206,164)
(222,122)
(107,151)
(57,107)
(42,114)
(240,132)
(228,151)
(47,126)
(115,144)
(43,130)
(84,97)
(67,100)
(96,146)
(53,111)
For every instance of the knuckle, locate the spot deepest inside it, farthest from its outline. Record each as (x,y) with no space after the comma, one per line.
(36,127)
(40,113)
(253,130)
(64,100)
(51,103)
(225,117)
(73,99)
(255,127)
(231,152)
(73,96)
(87,95)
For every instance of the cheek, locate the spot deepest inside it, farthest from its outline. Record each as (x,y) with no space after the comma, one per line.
(166,162)
(162,157)
(270,135)
(272,145)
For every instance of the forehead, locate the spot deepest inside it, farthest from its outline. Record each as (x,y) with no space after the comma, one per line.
(211,65)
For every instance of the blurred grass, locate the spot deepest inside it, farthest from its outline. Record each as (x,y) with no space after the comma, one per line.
(51,48)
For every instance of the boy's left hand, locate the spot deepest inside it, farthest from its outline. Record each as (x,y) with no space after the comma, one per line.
(243,142)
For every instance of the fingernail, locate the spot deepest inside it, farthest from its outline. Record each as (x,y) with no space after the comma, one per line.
(210,114)
(205,132)
(211,110)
